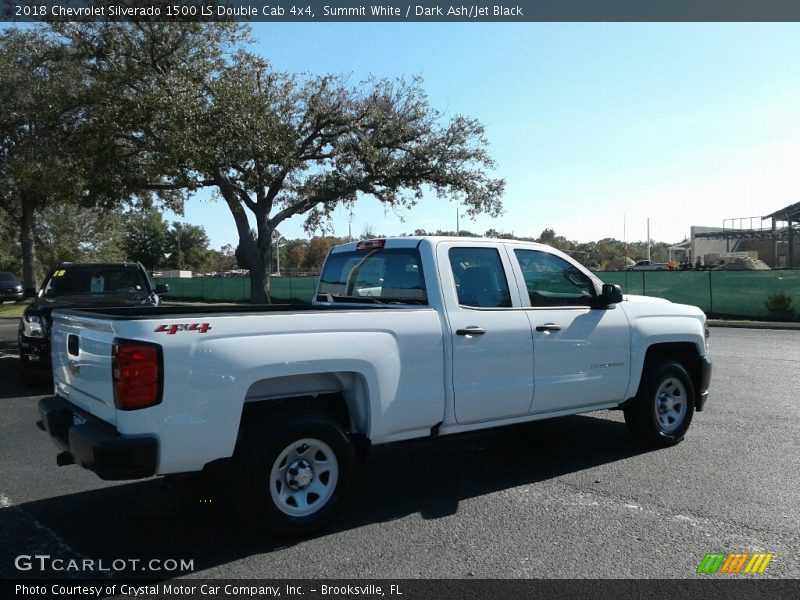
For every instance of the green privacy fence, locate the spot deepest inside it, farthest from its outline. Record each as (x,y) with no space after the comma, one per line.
(237,289)
(739,294)
(743,294)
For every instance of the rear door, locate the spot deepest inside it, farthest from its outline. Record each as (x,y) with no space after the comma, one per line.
(491,337)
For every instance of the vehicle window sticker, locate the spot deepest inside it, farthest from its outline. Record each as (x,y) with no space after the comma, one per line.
(98,284)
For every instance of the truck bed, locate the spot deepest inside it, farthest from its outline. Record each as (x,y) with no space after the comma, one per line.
(149,312)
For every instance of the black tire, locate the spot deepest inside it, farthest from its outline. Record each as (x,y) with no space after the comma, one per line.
(663,408)
(265,498)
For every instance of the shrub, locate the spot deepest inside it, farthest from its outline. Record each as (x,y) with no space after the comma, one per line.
(779,307)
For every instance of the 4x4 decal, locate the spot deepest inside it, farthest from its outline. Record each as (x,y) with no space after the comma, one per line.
(173,329)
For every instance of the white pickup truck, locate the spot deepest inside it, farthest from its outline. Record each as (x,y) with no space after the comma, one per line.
(406,338)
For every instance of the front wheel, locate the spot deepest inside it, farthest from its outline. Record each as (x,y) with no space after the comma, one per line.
(295,475)
(663,408)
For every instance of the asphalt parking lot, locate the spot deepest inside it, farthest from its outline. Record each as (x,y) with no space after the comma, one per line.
(571,497)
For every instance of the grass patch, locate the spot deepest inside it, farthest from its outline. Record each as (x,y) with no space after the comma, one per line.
(13,310)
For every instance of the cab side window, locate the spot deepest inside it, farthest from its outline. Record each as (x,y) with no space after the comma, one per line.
(480,278)
(552,281)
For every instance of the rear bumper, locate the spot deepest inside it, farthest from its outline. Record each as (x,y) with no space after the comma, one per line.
(94,444)
(705,382)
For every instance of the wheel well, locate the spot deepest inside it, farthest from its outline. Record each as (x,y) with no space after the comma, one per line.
(685,353)
(330,405)
(333,405)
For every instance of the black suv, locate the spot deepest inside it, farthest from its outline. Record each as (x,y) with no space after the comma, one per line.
(10,288)
(79,285)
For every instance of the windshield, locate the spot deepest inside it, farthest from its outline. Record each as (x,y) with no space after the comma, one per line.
(377,276)
(80,280)
(8,279)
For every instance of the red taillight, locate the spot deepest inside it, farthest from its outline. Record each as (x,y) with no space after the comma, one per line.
(136,372)
(370,244)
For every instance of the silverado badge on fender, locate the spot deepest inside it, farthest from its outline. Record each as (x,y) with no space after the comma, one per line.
(173,329)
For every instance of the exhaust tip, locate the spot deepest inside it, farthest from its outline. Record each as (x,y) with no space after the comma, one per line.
(64,459)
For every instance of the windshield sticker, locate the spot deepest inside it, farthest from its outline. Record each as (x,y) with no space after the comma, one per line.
(98,284)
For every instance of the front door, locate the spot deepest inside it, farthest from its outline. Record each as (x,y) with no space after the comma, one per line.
(581,354)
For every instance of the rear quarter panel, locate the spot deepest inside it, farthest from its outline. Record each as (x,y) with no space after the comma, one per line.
(397,354)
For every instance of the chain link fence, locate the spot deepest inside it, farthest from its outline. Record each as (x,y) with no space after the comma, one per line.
(292,290)
(771,295)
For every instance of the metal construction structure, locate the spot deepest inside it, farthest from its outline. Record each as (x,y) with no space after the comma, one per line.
(784,227)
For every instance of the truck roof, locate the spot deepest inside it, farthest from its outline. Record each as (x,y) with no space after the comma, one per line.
(415,240)
(98,264)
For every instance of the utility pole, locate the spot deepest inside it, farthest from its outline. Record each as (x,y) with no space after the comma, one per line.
(624,241)
(648,238)
(458,224)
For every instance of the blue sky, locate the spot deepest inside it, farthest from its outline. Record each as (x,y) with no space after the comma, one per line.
(592,125)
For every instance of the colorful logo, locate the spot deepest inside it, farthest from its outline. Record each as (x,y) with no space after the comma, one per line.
(734,562)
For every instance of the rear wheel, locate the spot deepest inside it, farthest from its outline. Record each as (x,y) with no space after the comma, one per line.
(295,474)
(664,406)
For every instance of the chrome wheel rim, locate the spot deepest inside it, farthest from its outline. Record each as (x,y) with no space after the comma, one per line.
(303,477)
(672,402)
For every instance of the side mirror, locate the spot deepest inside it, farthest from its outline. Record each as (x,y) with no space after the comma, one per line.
(611,294)
(162,288)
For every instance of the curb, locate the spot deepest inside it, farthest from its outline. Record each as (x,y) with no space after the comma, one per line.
(753,325)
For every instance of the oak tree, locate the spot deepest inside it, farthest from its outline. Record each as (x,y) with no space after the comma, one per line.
(186,107)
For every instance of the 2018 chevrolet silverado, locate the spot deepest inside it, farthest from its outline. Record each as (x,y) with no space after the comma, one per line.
(406,338)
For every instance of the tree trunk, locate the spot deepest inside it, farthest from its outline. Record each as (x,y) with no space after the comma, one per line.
(258,252)
(259,276)
(28,250)
(261,267)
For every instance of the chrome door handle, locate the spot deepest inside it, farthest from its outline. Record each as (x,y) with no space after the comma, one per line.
(472,330)
(548,327)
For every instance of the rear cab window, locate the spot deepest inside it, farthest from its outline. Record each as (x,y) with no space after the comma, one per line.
(374,276)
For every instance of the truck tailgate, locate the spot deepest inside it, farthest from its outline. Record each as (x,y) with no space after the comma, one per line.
(81,354)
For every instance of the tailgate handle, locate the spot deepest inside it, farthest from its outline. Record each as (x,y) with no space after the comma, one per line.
(73,344)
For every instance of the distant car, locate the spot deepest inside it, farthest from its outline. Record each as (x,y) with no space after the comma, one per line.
(10,287)
(79,285)
(646,265)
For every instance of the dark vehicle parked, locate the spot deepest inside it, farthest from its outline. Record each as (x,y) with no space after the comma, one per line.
(10,287)
(79,285)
